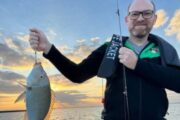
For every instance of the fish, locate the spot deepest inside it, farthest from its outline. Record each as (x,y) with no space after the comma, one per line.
(38,95)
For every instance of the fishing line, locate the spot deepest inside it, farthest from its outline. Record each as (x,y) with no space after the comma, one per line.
(35,55)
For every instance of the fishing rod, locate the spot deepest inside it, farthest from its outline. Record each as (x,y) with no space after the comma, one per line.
(125,92)
(110,62)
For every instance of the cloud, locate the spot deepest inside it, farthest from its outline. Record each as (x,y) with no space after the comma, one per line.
(8,82)
(161,18)
(10,43)
(174,25)
(12,57)
(15,52)
(8,75)
(21,40)
(16,44)
(15,47)
(72,97)
(10,87)
(60,83)
(18,41)
(95,41)
(78,53)
(23,37)
(81,41)
(51,34)
(82,50)
(65,48)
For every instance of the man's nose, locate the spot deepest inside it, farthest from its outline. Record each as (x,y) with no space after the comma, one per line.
(140,18)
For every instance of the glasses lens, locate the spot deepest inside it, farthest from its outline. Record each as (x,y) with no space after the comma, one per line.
(134,14)
(146,14)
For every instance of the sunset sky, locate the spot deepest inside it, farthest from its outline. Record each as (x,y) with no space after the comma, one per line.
(75,27)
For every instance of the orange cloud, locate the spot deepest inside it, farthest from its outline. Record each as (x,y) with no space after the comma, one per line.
(174,25)
(9,42)
(161,18)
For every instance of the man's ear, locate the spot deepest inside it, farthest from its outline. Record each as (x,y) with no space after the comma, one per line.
(126,19)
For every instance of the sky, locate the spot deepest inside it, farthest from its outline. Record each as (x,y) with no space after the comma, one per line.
(76,28)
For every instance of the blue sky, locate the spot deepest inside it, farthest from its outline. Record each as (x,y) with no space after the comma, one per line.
(71,20)
(76,27)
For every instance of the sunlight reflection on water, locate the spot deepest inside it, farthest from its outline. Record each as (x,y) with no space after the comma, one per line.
(91,113)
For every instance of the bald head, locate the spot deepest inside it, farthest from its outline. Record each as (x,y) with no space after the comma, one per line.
(140,5)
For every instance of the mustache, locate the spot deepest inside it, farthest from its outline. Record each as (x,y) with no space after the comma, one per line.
(140,23)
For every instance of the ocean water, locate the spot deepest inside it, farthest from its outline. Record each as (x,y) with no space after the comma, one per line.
(90,113)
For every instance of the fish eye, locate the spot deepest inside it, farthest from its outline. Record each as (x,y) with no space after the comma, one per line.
(41,76)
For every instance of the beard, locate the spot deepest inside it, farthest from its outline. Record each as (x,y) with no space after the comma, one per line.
(140,31)
(139,34)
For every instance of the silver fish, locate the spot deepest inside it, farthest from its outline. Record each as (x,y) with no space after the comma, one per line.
(39,98)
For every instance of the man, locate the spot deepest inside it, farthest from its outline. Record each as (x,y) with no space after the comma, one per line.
(151,66)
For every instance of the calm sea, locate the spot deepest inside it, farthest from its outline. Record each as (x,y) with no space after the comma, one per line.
(91,113)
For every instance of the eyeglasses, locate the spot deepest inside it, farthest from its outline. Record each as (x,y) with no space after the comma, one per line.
(147,14)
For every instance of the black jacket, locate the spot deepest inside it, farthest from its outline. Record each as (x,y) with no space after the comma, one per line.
(146,84)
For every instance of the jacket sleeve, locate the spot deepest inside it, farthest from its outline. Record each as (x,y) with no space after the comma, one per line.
(165,77)
(77,73)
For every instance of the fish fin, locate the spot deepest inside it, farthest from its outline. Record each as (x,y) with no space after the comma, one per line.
(25,116)
(51,106)
(20,97)
(22,84)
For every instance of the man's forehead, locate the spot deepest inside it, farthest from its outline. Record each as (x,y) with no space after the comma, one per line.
(140,5)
